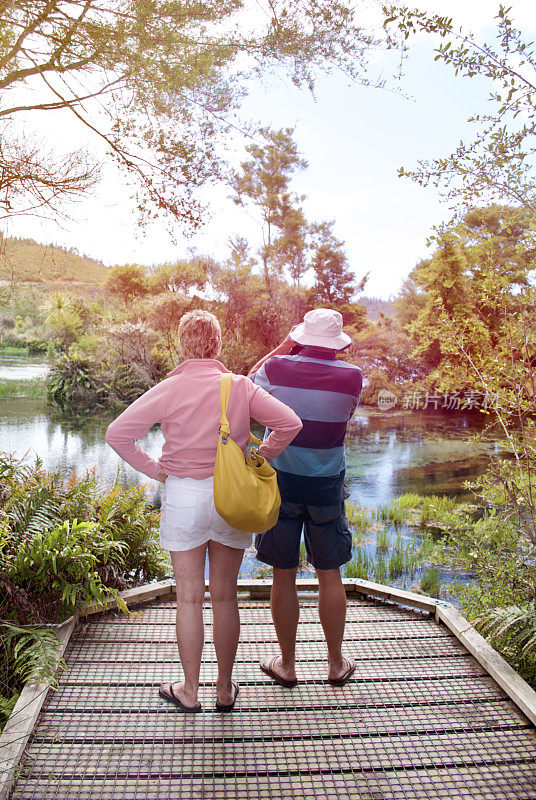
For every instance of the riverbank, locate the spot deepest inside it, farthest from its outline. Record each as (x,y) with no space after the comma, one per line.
(33,389)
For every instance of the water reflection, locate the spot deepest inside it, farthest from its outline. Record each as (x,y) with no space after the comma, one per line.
(29,428)
(390,453)
(387,454)
(22,366)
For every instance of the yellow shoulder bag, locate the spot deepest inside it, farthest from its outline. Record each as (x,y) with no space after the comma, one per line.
(246,494)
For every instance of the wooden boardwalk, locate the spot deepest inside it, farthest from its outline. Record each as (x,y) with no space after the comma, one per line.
(422,719)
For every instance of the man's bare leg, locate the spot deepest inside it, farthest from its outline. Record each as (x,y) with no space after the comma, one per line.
(332,612)
(285,614)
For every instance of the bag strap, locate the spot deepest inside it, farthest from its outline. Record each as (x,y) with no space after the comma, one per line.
(225,393)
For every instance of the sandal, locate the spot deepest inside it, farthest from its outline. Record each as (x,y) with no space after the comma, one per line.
(226,708)
(171,697)
(345,677)
(269,670)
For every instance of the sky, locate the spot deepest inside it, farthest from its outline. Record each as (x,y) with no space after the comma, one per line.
(354,139)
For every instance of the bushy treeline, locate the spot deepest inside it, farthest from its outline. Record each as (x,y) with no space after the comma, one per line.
(473,299)
(109,351)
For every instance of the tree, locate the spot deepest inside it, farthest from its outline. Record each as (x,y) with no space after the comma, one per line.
(264,183)
(498,165)
(157,82)
(180,276)
(291,246)
(127,281)
(334,283)
(240,288)
(476,275)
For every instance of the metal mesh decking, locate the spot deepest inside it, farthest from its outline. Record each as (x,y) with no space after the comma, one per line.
(421,719)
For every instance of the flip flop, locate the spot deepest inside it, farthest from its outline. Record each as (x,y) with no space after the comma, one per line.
(226,708)
(172,698)
(269,670)
(345,677)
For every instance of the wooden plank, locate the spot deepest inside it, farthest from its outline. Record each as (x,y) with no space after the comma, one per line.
(137,652)
(394,595)
(132,597)
(489,782)
(260,589)
(241,755)
(138,630)
(75,726)
(267,695)
(152,672)
(19,726)
(512,683)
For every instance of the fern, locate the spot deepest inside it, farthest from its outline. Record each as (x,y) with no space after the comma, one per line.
(27,653)
(35,654)
(514,626)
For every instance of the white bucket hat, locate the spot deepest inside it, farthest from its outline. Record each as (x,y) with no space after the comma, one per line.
(321,327)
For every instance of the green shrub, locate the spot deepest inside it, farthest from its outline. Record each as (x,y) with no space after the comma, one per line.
(512,631)
(58,567)
(115,547)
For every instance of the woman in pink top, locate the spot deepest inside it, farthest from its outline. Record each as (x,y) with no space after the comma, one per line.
(187,406)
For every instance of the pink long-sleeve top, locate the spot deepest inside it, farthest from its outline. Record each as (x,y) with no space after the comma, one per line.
(187,406)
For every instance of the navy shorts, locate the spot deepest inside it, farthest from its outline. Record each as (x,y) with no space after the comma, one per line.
(328,540)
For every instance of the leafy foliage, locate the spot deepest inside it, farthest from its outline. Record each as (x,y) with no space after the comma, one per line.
(50,563)
(159,83)
(27,653)
(497,165)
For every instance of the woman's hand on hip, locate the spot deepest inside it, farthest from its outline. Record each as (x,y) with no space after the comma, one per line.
(161,477)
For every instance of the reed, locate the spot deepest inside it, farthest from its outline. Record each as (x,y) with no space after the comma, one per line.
(431,582)
(380,569)
(383,540)
(358,516)
(361,566)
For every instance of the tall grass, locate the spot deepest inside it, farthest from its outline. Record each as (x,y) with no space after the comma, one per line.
(383,540)
(358,516)
(361,566)
(431,582)
(12,389)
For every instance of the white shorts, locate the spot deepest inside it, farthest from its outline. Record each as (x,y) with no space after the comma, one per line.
(188,517)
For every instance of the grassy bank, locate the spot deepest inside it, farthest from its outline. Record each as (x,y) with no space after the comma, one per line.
(12,389)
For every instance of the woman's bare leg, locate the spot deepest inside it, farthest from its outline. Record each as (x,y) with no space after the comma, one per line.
(224,563)
(189,569)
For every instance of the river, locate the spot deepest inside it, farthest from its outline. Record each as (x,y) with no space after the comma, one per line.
(388,452)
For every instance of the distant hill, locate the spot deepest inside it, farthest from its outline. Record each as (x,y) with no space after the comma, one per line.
(23,260)
(374,305)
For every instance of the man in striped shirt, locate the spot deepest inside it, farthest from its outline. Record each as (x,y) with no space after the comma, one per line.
(324,392)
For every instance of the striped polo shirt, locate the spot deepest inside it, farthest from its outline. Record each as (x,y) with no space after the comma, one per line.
(324,393)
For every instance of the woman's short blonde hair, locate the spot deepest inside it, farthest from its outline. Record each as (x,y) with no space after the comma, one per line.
(199,335)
